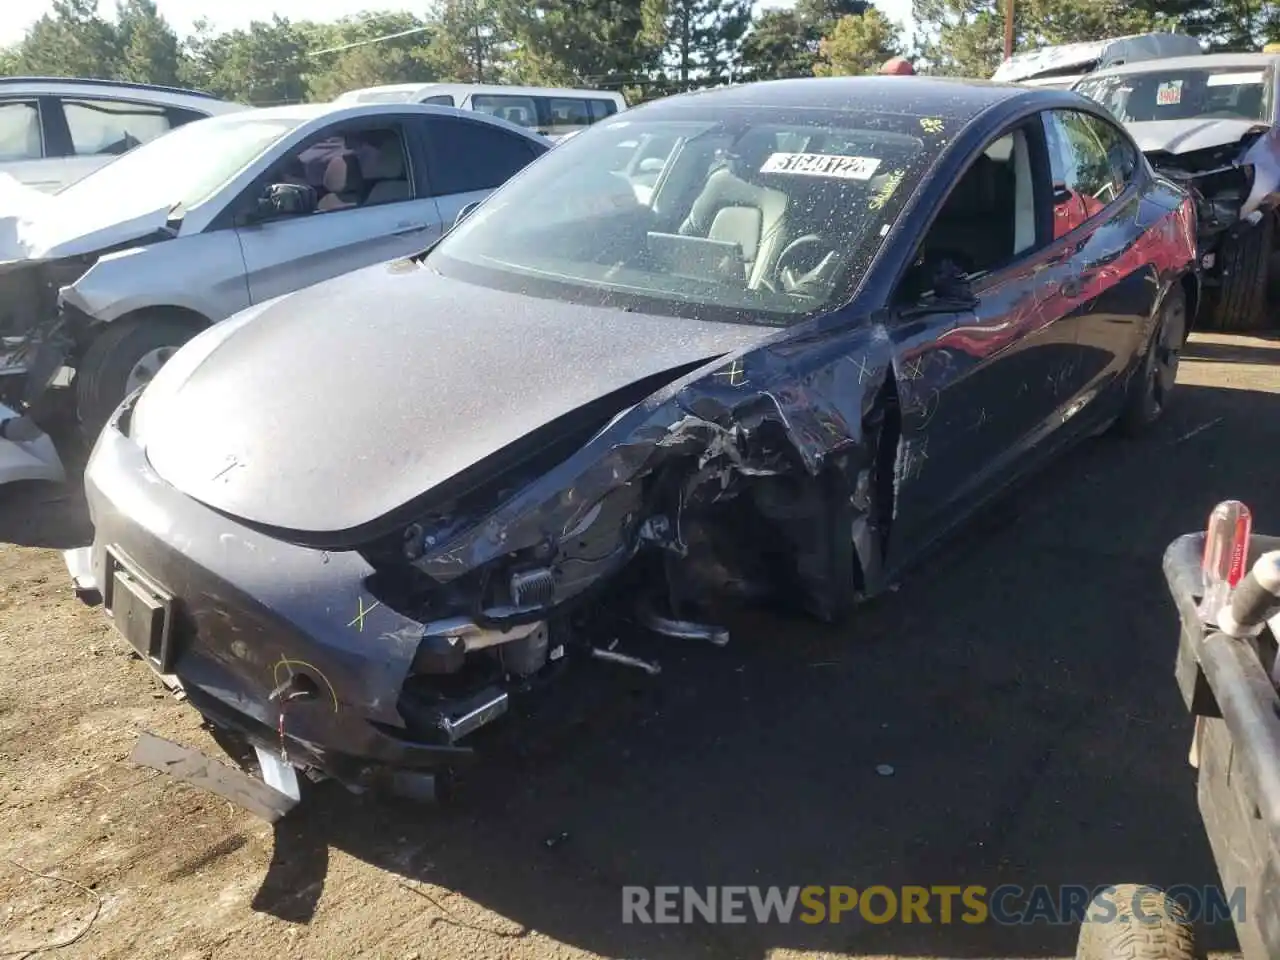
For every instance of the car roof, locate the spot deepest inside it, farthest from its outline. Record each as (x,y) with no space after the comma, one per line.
(426,89)
(951,98)
(1202,62)
(301,113)
(120,90)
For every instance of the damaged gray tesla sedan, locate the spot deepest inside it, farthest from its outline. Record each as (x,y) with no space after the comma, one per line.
(772,339)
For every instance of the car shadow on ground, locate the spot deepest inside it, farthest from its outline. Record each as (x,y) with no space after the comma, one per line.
(1234,352)
(1009,716)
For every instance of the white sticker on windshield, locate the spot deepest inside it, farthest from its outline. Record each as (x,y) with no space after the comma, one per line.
(1169,94)
(822,165)
(1233,79)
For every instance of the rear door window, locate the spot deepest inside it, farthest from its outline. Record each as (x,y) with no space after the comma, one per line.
(567,115)
(112,127)
(470,155)
(518,110)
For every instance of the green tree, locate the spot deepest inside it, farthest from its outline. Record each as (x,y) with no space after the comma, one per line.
(70,41)
(149,49)
(703,37)
(1234,25)
(263,65)
(858,44)
(779,45)
(596,42)
(368,50)
(469,45)
(821,15)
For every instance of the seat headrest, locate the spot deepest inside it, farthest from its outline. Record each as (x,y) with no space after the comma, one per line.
(383,161)
(975,193)
(342,174)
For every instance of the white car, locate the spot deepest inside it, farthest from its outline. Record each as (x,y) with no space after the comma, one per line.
(112,275)
(55,131)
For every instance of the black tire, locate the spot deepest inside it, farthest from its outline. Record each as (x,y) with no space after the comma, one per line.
(1157,930)
(104,371)
(1240,303)
(1152,384)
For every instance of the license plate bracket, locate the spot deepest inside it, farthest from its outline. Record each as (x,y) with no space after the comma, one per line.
(142,613)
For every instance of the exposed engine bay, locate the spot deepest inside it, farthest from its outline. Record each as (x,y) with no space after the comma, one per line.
(1224,180)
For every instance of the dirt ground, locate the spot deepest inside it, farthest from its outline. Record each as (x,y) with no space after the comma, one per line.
(1019,685)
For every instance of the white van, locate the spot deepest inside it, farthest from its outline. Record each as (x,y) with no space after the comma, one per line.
(1062,65)
(552,111)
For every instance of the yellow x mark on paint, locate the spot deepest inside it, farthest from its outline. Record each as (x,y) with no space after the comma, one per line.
(358,622)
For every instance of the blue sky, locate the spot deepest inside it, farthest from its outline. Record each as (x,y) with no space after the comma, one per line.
(19,14)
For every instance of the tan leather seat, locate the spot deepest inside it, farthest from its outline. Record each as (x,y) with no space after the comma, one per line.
(344,183)
(732,209)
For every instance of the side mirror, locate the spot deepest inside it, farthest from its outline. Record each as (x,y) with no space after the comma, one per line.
(1061,194)
(282,200)
(466,211)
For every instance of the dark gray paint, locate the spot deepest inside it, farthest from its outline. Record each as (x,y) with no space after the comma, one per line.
(344,401)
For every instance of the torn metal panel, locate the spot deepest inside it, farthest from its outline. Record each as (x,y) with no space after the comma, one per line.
(193,767)
(26,452)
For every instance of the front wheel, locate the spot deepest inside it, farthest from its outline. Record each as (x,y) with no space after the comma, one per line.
(1153,383)
(1135,922)
(1239,304)
(125,356)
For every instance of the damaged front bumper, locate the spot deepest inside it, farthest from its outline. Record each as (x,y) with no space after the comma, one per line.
(38,335)
(1233,185)
(282,644)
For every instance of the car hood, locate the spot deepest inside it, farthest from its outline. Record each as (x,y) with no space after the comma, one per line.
(47,229)
(1186,136)
(329,408)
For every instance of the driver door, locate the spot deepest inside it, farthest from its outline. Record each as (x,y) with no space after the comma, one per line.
(373,206)
(982,382)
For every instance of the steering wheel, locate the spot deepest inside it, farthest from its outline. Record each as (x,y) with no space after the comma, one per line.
(793,278)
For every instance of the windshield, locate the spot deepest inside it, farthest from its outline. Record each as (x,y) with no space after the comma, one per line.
(757,214)
(185,166)
(1185,94)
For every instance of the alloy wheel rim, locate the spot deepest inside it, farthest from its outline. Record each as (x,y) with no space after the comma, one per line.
(1166,353)
(148,365)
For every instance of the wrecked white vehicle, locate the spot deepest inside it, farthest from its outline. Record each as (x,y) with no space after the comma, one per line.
(1209,123)
(1061,65)
(108,277)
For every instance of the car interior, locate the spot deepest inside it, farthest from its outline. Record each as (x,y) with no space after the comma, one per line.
(353,170)
(988,218)
(1159,96)
(783,239)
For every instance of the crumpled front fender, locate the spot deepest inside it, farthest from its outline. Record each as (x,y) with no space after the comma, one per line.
(731,412)
(1264,156)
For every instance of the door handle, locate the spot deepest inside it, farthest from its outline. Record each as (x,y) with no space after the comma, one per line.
(405,229)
